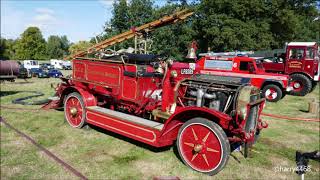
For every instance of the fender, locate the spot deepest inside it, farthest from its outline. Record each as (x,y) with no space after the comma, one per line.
(273,81)
(175,121)
(308,75)
(88,98)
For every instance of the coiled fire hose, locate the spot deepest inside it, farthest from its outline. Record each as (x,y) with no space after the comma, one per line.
(36,94)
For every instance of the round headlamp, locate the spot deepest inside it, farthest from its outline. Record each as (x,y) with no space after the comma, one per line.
(174,74)
(243,101)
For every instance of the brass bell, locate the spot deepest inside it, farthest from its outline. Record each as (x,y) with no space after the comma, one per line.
(191,53)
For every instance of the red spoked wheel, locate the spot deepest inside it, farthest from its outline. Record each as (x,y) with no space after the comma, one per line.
(74,110)
(297,86)
(203,146)
(272,93)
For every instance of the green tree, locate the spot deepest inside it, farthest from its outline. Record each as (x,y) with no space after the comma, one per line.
(294,20)
(7,50)
(120,19)
(65,44)
(80,46)
(54,47)
(31,45)
(140,12)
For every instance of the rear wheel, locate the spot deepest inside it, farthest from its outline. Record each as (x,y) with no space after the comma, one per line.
(314,85)
(203,146)
(301,85)
(272,93)
(74,110)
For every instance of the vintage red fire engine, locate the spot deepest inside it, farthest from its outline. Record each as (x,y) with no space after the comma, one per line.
(158,102)
(273,86)
(301,62)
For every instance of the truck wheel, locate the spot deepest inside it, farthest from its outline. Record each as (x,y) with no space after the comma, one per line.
(203,146)
(314,85)
(272,93)
(74,110)
(301,85)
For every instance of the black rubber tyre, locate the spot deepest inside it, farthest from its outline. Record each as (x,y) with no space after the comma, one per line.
(78,119)
(314,85)
(304,81)
(272,92)
(217,136)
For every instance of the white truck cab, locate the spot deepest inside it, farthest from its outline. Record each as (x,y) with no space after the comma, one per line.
(56,63)
(29,64)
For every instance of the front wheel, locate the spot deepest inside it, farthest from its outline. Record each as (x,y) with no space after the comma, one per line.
(74,110)
(203,146)
(272,93)
(301,84)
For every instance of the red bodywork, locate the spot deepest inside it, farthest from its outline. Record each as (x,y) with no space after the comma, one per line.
(305,61)
(115,85)
(242,67)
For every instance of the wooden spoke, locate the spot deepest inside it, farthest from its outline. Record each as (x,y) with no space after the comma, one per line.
(205,158)
(194,156)
(194,134)
(206,137)
(189,144)
(211,150)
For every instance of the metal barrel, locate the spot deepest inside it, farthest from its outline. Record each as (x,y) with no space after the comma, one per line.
(8,67)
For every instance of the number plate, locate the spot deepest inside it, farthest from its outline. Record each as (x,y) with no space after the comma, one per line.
(186,71)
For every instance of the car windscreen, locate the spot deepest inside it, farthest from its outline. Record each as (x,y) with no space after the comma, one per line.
(259,64)
(218,64)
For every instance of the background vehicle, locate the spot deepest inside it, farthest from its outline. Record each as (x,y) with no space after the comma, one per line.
(301,62)
(46,66)
(273,86)
(29,64)
(23,73)
(55,73)
(56,63)
(40,73)
(66,65)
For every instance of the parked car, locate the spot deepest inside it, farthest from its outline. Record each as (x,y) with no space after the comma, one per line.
(23,73)
(55,73)
(40,73)
(66,67)
(46,66)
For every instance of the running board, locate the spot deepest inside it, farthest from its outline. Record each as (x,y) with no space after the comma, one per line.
(125,117)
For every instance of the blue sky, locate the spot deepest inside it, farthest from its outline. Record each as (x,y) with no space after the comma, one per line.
(78,19)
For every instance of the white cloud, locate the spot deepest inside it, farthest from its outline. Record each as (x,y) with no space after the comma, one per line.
(45,19)
(44,11)
(107,3)
(12,21)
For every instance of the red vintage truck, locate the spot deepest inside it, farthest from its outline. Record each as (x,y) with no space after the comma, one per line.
(273,86)
(160,102)
(301,62)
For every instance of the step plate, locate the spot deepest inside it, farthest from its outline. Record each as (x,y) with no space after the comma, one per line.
(127,117)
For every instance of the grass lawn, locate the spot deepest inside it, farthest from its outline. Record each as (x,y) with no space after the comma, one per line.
(102,155)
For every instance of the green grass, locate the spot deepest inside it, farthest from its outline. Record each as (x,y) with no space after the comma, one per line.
(100,155)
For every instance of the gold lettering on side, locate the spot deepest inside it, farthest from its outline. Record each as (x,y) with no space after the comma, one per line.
(105,74)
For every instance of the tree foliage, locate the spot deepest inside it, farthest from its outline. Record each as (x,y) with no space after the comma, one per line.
(80,46)
(57,47)
(221,25)
(7,50)
(31,45)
